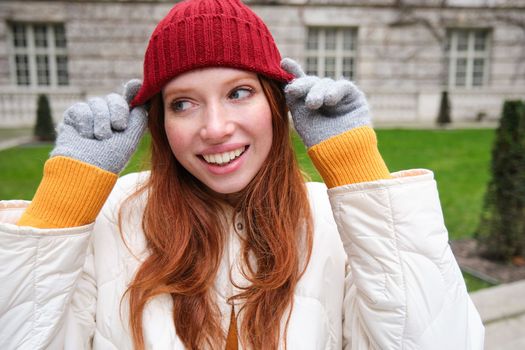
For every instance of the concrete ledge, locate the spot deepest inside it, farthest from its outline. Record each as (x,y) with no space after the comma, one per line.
(500,302)
(507,334)
(431,125)
(502,310)
(15,142)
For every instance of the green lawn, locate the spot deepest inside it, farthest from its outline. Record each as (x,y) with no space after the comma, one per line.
(21,168)
(459,158)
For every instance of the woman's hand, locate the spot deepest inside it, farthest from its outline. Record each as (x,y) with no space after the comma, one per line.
(102,132)
(322,108)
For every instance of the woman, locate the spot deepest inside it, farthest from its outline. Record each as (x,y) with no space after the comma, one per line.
(222,245)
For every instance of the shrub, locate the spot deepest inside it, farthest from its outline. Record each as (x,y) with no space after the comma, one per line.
(444,110)
(44,129)
(501,232)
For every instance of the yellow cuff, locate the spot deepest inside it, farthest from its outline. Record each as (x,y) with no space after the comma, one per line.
(350,157)
(70,194)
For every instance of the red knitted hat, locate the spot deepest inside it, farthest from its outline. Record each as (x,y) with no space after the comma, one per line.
(208,33)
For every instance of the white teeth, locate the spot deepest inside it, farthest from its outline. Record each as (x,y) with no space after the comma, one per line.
(223,158)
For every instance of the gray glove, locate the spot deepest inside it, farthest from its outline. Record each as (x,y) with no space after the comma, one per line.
(322,108)
(102,132)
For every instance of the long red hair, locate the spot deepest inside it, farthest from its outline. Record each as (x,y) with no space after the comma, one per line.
(185,234)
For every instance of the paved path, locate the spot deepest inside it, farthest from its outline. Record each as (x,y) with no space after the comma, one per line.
(431,125)
(9,143)
(502,309)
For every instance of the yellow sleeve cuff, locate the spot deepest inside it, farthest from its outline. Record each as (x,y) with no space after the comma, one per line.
(350,157)
(70,194)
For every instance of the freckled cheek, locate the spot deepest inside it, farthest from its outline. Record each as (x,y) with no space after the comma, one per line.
(177,138)
(264,122)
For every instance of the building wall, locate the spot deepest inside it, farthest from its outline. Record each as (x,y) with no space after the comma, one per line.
(399,62)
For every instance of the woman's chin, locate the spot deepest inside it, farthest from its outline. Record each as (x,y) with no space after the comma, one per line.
(226,189)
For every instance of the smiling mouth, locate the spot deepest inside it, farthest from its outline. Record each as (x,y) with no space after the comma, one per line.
(224,158)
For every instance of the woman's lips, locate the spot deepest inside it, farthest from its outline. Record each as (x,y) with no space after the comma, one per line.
(225,162)
(224,157)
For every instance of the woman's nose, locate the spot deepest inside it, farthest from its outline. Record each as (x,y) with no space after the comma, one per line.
(218,125)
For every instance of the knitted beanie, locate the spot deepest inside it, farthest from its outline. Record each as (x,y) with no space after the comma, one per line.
(208,33)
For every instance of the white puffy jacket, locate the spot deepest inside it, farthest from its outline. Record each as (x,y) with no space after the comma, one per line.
(381,276)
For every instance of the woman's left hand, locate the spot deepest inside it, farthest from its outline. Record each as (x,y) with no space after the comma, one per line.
(322,108)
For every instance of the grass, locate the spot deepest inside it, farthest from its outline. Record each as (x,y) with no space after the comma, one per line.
(460,161)
(22,170)
(474,283)
(459,158)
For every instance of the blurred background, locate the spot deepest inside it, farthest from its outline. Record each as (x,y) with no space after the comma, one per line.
(436,73)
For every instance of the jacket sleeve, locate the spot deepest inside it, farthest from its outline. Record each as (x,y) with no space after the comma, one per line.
(403,287)
(47,281)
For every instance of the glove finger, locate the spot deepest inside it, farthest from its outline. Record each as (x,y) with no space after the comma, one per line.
(292,67)
(64,131)
(80,117)
(300,87)
(138,119)
(315,98)
(337,91)
(67,136)
(118,111)
(101,122)
(356,95)
(131,88)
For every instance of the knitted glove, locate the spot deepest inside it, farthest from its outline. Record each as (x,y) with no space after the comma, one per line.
(322,108)
(102,132)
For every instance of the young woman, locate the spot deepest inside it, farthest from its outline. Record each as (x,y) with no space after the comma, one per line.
(222,245)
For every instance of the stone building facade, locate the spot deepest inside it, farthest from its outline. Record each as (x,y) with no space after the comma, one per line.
(402,53)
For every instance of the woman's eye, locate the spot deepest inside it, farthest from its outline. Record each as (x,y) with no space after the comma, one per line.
(240,93)
(180,106)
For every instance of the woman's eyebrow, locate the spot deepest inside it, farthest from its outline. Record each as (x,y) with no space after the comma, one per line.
(240,78)
(235,79)
(181,92)
(177,90)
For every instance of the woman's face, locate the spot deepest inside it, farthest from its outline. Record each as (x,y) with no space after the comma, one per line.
(219,126)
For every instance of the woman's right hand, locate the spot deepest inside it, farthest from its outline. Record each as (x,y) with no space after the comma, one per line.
(102,131)
(322,107)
